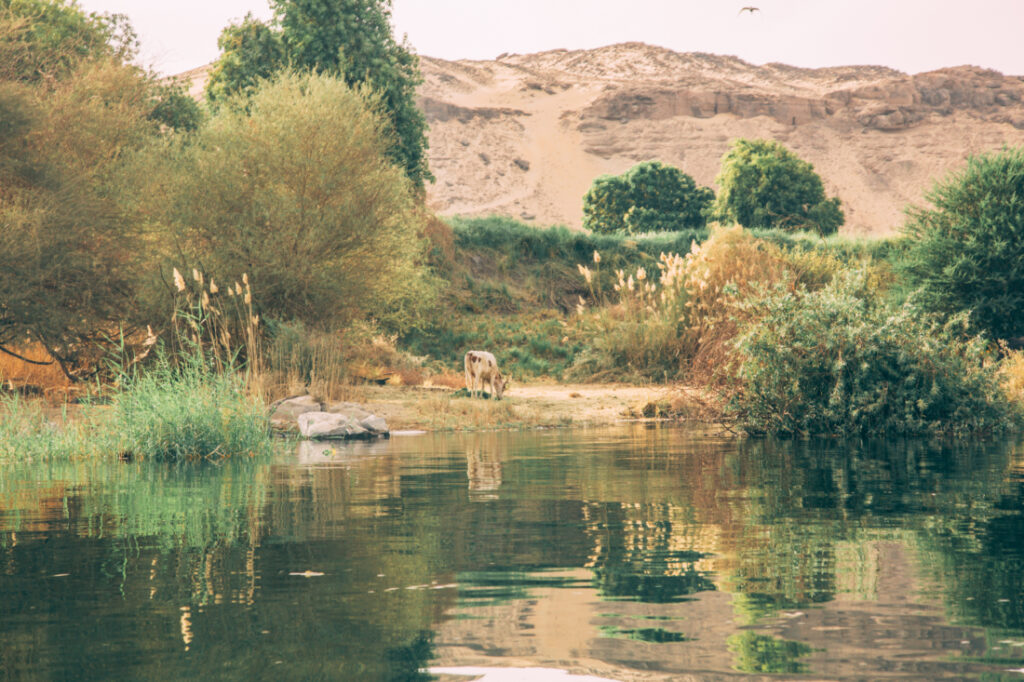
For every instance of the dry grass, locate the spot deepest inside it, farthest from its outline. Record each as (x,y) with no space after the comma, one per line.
(1012,370)
(732,268)
(447,379)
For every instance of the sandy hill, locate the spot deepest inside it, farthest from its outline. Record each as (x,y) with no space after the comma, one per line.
(525,135)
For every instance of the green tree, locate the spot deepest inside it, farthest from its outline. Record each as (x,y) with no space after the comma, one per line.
(69,262)
(250,52)
(295,190)
(967,252)
(47,39)
(649,197)
(348,38)
(174,108)
(764,185)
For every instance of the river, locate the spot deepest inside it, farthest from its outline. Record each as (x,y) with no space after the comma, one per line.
(629,553)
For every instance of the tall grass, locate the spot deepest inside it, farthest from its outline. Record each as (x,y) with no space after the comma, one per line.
(681,319)
(190,400)
(187,409)
(643,333)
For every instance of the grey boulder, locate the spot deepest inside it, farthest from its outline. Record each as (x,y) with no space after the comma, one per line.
(285,412)
(329,426)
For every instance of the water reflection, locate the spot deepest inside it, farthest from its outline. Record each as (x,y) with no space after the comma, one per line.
(622,553)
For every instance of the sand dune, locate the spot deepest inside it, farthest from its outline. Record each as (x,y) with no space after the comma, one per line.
(525,135)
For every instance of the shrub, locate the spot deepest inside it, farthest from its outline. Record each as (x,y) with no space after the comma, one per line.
(298,193)
(967,252)
(764,185)
(649,197)
(837,361)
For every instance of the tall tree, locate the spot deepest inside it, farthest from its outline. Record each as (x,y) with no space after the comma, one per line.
(351,39)
(763,184)
(250,52)
(966,252)
(649,197)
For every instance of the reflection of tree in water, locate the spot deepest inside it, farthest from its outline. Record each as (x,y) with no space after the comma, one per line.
(407,663)
(645,552)
(955,503)
(763,654)
(206,554)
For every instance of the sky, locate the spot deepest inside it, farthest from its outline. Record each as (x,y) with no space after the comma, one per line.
(909,35)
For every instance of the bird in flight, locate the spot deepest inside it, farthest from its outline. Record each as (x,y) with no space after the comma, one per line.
(748,9)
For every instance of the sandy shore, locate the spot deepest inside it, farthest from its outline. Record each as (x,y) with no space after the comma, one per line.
(525,405)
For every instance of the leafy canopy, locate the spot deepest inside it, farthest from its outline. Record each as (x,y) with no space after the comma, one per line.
(967,252)
(764,185)
(71,111)
(841,361)
(47,39)
(649,197)
(297,192)
(348,38)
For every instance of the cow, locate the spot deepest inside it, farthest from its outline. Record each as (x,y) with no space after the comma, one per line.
(481,368)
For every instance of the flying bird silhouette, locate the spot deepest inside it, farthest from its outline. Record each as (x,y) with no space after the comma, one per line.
(748,9)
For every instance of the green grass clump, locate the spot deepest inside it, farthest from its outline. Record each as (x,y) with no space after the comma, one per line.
(840,360)
(558,243)
(188,411)
(28,433)
(170,412)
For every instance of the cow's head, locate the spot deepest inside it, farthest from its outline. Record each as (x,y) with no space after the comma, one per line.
(500,385)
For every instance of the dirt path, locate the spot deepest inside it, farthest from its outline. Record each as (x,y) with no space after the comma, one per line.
(525,405)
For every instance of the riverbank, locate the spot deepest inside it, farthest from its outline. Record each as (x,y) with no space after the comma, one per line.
(524,405)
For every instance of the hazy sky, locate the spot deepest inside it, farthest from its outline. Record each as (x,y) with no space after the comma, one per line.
(910,35)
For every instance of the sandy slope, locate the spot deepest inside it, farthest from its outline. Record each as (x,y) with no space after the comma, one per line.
(878,137)
(525,135)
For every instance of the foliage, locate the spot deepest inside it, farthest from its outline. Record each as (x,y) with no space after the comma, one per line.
(721,275)
(684,320)
(48,39)
(175,109)
(760,654)
(327,363)
(351,39)
(967,252)
(1012,369)
(174,411)
(764,185)
(838,361)
(297,193)
(508,285)
(250,52)
(27,432)
(187,410)
(518,241)
(69,260)
(649,197)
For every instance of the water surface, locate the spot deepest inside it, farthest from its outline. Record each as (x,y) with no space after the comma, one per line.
(626,553)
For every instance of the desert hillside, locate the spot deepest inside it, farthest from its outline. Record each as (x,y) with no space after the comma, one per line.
(525,135)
